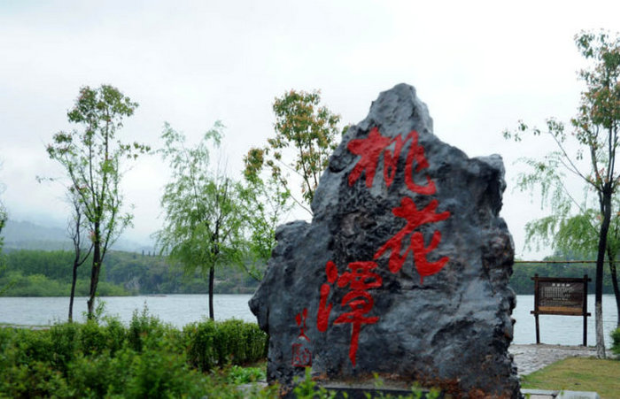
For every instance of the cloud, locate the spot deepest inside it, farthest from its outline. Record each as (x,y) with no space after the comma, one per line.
(480,66)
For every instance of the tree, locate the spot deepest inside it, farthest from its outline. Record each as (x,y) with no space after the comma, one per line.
(595,128)
(267,201)
(308,131)
(92,160)
(204,210)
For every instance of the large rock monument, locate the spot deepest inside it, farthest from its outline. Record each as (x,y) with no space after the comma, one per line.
(404,270)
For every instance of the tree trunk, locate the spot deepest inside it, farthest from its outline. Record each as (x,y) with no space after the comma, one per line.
(94,275)
(73,281)
(614,283)
(211,280)
(600,263)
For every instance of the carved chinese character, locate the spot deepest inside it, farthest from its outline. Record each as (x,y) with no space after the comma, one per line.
(415,218)
(359,279)
(372,147)
(302,356)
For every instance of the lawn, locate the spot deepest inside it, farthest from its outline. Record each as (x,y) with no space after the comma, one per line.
(578,374)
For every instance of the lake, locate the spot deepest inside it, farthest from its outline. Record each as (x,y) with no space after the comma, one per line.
(180,310)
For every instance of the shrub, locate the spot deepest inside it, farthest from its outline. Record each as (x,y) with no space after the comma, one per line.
(92,338)
(32,346)
(161,374)
(145,359)
(257,341)
(64,338)
(144,328)
(116,334)
(200,341)
(615,338)
(230,343)
(211,344)
(32,380)
(100,375)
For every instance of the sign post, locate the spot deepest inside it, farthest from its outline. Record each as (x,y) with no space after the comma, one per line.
(561,296)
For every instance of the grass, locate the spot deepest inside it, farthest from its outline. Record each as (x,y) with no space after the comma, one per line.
(578,374)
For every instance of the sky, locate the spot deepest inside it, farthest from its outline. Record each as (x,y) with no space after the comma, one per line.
(480,66)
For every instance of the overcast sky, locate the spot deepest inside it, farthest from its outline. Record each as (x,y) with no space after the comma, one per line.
(479,66)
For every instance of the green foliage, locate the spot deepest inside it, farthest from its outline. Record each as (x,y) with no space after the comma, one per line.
(146,359)
(48,273)
(244,375)
(200,339)
(266,201)
(615,341)
(145,330)
(211,344)
(92,161)
(305,137)
(204,210)
(307,388)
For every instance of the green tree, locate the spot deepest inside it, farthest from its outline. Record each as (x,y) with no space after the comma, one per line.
(204,208)
(267,202)
(306,133)
(595,129)
(92,159)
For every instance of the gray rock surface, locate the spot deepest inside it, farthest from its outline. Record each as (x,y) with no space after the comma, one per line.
(404,273)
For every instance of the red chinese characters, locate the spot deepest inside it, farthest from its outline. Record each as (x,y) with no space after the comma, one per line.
(302,357)
(372,147)
(415,218)
(359,279)
(407,240)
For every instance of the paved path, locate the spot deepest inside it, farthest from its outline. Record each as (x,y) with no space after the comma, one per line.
(530,358)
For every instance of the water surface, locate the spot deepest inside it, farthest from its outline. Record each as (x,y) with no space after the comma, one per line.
(180,310)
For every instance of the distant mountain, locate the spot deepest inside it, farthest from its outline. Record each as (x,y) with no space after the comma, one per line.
(28,235)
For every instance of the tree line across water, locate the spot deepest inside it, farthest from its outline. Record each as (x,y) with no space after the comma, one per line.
(48,273)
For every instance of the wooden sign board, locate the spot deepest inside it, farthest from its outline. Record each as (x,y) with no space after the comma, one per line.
(561,296)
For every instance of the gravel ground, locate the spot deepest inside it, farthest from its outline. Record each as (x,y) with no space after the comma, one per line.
(530,358)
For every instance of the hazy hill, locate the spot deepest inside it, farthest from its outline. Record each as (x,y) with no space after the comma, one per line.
(28,235)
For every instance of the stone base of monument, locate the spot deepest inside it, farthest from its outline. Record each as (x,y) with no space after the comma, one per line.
(371,390)
(365,391)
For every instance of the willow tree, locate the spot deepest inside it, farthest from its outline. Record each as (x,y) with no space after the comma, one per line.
(204,209)
(305,138)
(595,129)
(92,158)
